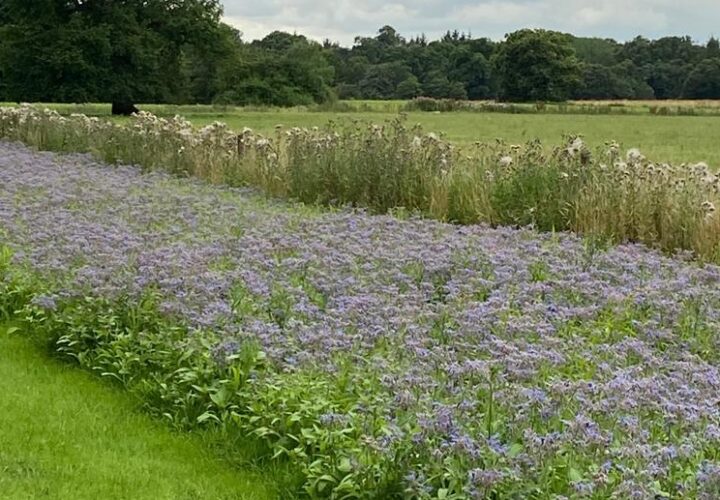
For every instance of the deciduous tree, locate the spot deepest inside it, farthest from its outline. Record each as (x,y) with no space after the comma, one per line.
(537,65)
(121,51)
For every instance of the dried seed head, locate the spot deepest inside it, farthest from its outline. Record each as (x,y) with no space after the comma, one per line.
(505,161)
(634,155)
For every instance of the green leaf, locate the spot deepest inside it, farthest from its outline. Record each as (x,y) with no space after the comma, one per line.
(344,466)
(207,416)
(515,450)
(657,489)
(324,481)
(442,493)
(220,398)
(574,475)
(12,329)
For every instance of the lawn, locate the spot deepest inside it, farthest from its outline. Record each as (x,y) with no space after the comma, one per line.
(64,434)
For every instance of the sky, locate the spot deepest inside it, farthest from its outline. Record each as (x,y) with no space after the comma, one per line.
(342,20)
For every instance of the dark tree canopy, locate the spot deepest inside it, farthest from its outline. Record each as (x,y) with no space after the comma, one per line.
(537,65)
(79,50)
(704,80)
(178,51)
(528,65)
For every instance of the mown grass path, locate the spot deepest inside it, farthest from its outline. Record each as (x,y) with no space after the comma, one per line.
(64,434)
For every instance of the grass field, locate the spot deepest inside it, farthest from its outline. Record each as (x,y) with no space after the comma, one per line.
(66,435)
(673,139)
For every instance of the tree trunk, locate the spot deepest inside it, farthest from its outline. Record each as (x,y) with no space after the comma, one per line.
(123,108)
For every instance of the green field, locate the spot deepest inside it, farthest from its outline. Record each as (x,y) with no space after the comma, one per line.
(674,139)
(66,435)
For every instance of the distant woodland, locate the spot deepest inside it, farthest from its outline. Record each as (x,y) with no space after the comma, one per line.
(167,51)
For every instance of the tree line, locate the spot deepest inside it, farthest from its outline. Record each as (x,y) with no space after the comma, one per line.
(179,51)
(528,65)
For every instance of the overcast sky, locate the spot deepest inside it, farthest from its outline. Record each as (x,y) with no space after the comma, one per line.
(342,20)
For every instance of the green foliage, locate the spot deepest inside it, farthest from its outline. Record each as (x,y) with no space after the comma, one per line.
(541,70)
(536,191)
(287,70)
(100,51)
(152,52)
(537,65)
(616,82)
(381,80)
(408,88)
(380,167)
(186,378)
(703,82)
(712,49)
(600,51)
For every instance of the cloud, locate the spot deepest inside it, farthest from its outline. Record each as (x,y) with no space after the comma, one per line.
(342,20)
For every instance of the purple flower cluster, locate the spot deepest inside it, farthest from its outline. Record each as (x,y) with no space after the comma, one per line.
(508,351)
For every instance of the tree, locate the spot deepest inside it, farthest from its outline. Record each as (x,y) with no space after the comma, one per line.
(381,80)
(353,69)
(675,48)
(600,51)
(456,90)
(177,51)
(472,70)
(631,81)
(389,37)
(408,88)
(598,82)
(667,78)
(638,50)
(436,85)
(123,52)
(281,70)
(280,41)
(208,71)
(712,49)
(537,65)
(56,58)
(308,69)
(703,82)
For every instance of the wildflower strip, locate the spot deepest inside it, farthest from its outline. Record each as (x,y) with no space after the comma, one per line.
(386,358)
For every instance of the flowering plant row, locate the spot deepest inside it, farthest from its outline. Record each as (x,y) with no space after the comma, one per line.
(384,358)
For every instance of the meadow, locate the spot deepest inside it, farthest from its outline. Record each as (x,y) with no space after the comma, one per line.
(686,132)
(675,139)
(293,288)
